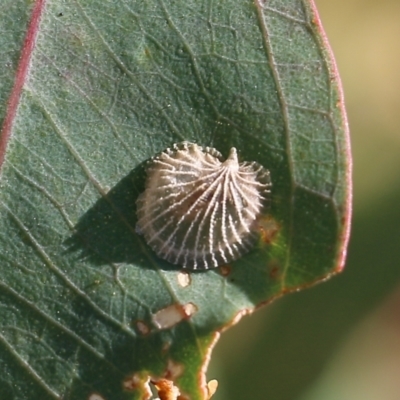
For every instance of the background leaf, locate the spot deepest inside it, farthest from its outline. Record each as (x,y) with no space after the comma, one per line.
(110,85)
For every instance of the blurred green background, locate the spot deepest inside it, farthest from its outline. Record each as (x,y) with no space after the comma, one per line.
(341,339)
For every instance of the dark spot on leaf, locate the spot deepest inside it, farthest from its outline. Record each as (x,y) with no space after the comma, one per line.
(268,229)
(225,270)
(274,269)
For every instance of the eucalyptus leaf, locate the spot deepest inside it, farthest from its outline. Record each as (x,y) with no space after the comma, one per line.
(93,91)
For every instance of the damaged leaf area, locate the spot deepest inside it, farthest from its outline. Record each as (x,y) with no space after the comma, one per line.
(90,91)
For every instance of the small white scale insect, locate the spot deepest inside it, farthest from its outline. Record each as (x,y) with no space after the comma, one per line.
(199,211)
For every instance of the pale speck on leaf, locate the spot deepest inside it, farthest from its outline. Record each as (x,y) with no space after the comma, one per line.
(170,316)
(184,279)
(96,396)
(174,370)
(142,327)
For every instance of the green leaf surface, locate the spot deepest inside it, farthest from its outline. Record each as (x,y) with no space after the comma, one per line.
(99,88)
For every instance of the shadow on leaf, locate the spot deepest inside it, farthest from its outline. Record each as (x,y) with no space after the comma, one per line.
(106,232)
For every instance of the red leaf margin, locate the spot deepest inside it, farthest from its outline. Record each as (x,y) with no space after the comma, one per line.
(20,76)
